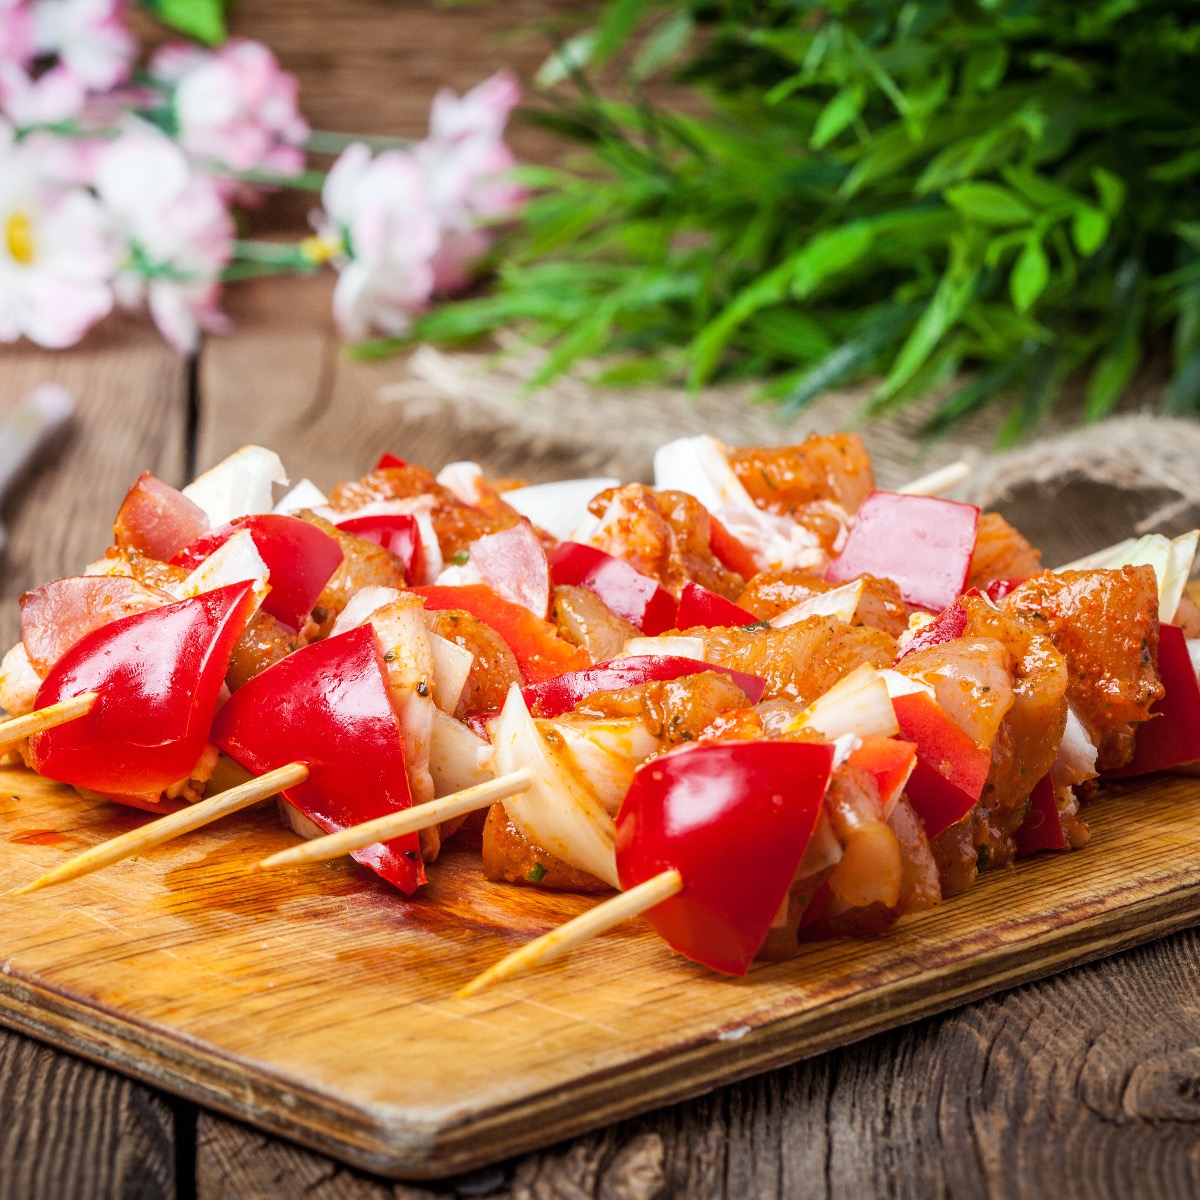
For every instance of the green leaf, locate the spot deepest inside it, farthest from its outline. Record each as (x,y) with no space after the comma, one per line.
(851,359)
(827,254)
(984,68)
(1030,275)
(952,296)
(1089,229)
(709,344)
(619,21)
(838,114)
(1110,377)
(665,43)
(571,57)
(989,204)
(203,20)
(1110,189)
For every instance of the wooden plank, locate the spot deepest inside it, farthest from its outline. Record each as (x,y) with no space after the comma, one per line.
(186,972)
(132,397)
(73,1129)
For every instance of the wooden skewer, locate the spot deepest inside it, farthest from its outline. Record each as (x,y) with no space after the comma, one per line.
(938,482)
(408,820)
(577,931)
(166,828)
(41,719)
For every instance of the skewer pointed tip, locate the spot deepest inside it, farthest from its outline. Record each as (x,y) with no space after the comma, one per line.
(26,888)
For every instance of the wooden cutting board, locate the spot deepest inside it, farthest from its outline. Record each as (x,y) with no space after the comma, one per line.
(318,1003)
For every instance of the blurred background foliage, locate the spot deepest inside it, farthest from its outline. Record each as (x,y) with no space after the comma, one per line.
(998,195)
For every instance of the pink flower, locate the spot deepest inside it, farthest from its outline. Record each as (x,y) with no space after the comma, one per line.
(235,107)
(174,233)
(381,230)
(81,46)
(55,263)
(465,162)
(482,112)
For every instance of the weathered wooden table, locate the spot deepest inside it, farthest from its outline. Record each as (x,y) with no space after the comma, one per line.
(1087,1084)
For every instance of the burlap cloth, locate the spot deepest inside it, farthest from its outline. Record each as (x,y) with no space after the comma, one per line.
(1071,489)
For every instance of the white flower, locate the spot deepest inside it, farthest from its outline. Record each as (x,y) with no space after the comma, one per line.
(175,234)
(55,265)
(381,230)
(235,107)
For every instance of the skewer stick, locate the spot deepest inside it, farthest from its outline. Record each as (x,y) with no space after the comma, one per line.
(938,482)
(577,931)
(166,828)
(41,719)
(407,820)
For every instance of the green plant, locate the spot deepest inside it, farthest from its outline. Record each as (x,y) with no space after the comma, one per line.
(203,20)
(903,189)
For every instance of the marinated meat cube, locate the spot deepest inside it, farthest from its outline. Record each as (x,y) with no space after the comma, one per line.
(1105,623)
(510,857)
(802,661)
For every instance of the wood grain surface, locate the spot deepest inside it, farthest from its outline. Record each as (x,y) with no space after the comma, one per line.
(317,1002)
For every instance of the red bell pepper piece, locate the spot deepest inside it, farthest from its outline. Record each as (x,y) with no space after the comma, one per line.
(631,595)
(889,761)
(539,651)
(951,770)
(157,675)
(734,819)
(729,551)
(388,462)
(327,706)
(924,545)
(999,588)
(559,695)
(1042,828)
(948,625)
(699,606)
(397,533)
(157,520)
(300,558)
(1171,737)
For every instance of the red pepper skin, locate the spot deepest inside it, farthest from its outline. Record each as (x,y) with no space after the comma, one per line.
(327,706)
(699,606)
(729,551)
(1172,735)
(734,818)
(1042,828)
(389,462)
(398,533)
(157,675)
(889,760)
(300,558)
(630,594)
(559,695)
(951,770)
(539,651)
(922,544)
(999,588)
(949,624)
